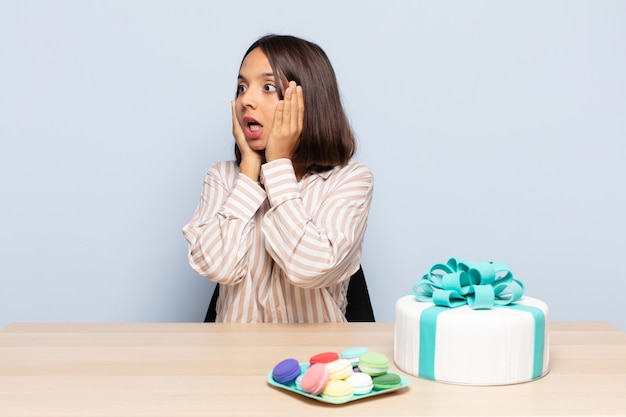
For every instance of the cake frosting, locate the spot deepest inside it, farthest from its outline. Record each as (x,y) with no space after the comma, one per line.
(469,323)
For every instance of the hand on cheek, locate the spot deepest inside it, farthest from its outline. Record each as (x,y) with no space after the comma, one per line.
(250,159)
(288,123)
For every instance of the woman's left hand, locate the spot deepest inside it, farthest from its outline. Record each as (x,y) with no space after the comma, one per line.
(288,123)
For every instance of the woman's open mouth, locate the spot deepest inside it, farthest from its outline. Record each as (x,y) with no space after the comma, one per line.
(251,128)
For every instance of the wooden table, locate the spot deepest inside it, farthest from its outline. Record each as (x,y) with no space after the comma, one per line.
(203,369)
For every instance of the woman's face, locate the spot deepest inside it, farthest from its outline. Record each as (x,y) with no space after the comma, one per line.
(256,99)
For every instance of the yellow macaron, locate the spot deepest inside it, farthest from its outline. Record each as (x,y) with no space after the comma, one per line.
(338,390)
(339,369)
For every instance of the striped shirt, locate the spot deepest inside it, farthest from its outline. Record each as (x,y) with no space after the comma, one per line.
(282,250)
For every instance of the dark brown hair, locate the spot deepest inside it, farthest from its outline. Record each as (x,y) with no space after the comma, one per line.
(327,139)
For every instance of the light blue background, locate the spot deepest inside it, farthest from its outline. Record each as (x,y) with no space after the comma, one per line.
(495,130)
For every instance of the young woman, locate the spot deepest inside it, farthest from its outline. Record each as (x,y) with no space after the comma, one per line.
(281,228)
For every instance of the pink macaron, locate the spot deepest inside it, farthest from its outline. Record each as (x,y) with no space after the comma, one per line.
(315,379)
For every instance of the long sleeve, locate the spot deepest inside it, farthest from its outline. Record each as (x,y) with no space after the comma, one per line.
(220,233)
(316,237)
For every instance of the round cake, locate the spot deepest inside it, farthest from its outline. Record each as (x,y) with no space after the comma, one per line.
(468,322)
(500,345)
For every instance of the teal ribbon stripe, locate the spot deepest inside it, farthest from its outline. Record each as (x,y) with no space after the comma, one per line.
(428,338)
(479,285)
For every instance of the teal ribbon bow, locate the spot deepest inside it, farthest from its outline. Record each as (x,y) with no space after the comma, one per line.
(479,284)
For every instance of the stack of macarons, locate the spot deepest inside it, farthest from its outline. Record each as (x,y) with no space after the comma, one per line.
(338,377)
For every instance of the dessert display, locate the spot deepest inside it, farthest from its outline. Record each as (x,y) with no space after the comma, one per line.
(328,377)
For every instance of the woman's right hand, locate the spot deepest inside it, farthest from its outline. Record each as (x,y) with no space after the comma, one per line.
(251,160)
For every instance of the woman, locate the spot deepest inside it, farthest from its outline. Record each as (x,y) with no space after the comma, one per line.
(281,228)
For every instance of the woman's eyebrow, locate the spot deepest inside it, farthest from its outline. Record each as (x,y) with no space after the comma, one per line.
(263,75)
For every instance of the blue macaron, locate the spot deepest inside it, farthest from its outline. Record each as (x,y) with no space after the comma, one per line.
(353,353)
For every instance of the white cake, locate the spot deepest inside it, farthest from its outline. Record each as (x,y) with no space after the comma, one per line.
(503,344)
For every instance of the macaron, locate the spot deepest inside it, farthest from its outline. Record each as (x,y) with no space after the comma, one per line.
(299,382)
(315,379)
(353,353)
(338,390)
(373,363)
(324,357)
(339,369)
(361,383)
(387,381)
(286,371)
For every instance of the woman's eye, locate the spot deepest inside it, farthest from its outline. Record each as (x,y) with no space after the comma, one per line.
(240,89)
(269,88)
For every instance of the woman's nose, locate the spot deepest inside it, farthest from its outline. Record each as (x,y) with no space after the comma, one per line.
(248,99)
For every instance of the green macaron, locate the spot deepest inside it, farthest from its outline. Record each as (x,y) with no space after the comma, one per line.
(387,381)
(373,363)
